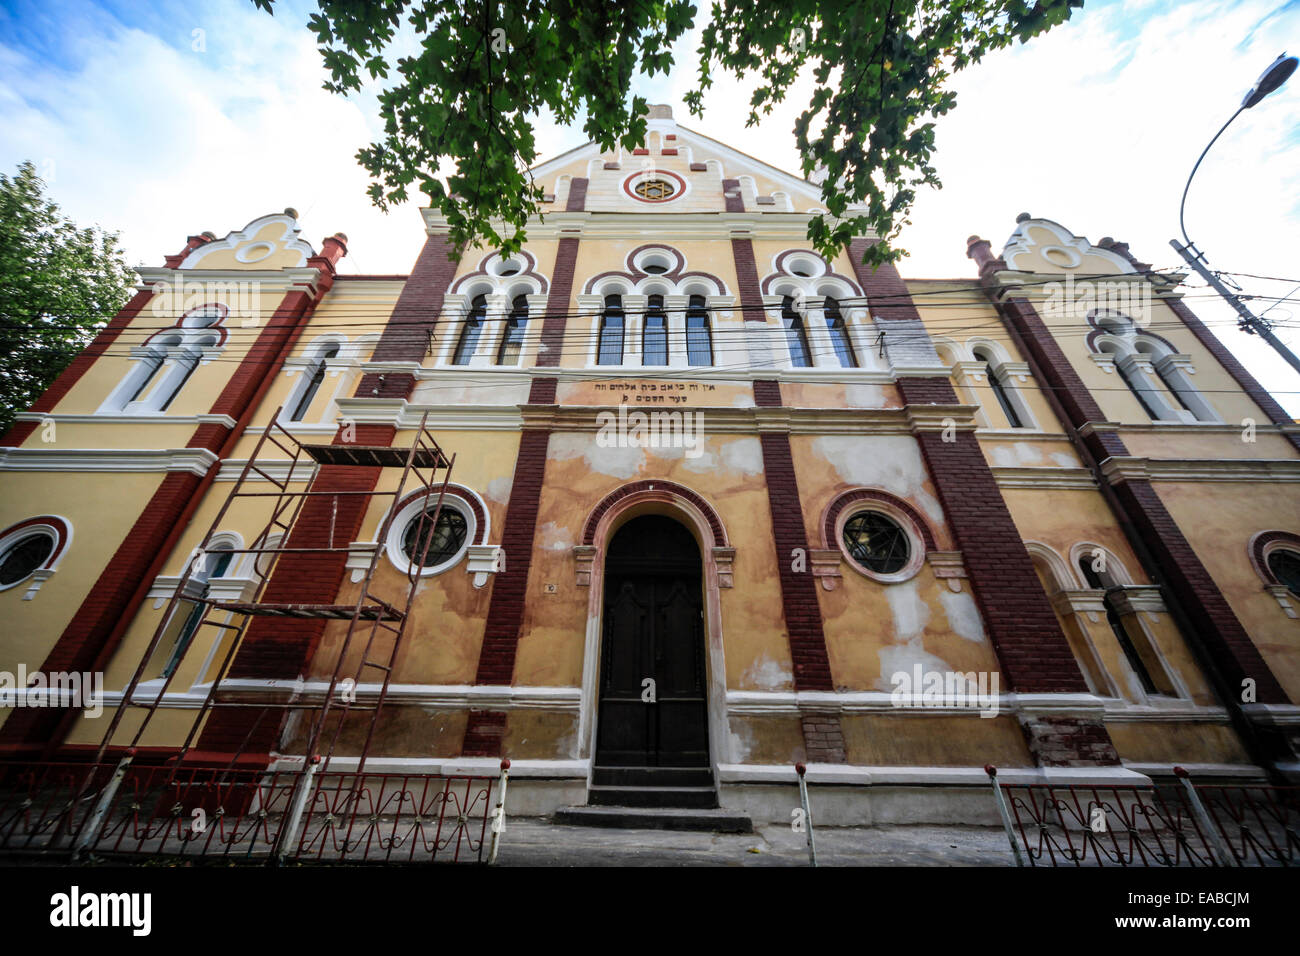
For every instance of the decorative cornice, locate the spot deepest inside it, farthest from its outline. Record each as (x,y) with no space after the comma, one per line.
(196,461)
(1019,476)
(1118,469)
(98,419)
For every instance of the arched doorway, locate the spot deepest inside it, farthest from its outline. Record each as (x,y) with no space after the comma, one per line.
(652,720)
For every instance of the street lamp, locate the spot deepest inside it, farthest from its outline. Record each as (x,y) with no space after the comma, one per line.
(1278,72)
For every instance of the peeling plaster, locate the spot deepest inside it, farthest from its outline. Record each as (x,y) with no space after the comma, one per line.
(555,537)
(767,674)
(741,740)
(498,489)
(904,657)
(864,396)
(613,461)
(888,462)
(911,614)
(742,456)
(963,615)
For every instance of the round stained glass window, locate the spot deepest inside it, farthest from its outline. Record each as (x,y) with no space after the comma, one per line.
(876,542)
(655,190)
(23,557)
(443,541)
(1285,566)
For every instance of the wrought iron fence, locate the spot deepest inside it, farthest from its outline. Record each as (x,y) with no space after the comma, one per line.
(1187,824)
(76,810)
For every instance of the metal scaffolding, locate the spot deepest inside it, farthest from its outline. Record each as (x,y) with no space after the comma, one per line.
(191,807)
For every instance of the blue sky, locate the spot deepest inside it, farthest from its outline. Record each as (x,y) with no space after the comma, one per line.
(161,119)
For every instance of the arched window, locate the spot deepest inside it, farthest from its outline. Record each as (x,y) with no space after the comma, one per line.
(654,337)
(1093,569)
(189,612)
(795,338)
(153,364)
(1285,565)
(188,361)
(470,331)
(699,341)
(609,349)
(1139,389)
(308,395)
(512,342)
(839,333)
(994,377)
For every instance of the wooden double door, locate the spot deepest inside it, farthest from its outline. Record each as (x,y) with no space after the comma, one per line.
(653,702)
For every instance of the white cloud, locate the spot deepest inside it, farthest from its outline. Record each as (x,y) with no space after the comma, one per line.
(1095,125)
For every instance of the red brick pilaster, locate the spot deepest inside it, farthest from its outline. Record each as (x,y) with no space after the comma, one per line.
(97,629)
(276,648)
(1032,650)
(1225,648)
(823,740)
(496,664)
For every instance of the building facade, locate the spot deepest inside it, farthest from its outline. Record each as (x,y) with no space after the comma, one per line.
(719,505)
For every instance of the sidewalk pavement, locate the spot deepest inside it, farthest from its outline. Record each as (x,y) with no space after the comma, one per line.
(538,842)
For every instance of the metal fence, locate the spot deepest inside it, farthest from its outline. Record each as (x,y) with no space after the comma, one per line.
(1186,824)
(78,811)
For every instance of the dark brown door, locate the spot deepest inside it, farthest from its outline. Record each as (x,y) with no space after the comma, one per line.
(654,632)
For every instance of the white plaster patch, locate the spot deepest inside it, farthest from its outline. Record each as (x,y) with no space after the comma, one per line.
(865,396)
(741,741)
(890,462)
(612,461)
(768,674)
(498,489)
(743,401)
(741,456)
(1020,453)
(1065,459)
(555,538)
(905,657)
(963,615)
(910,613)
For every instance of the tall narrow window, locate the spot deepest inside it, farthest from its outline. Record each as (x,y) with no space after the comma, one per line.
(1000,391)
(512,342)
(654,337)
(190,613)
(699,343)
(470,332)
(313,385)
(190,361)
(1131,654)
(154,365)
(1138,393)
(610,347)
(1173,388)
(795,338)
(839,334)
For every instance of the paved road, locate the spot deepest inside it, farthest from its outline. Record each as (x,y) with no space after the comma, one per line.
(532,842)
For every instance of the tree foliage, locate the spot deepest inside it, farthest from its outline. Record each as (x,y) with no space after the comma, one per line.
(484,69)
(58,285)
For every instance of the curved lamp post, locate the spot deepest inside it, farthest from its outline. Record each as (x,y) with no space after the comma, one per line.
(1278,72)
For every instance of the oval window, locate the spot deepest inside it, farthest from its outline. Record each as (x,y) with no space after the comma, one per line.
(443,541)
(24,556)
(876,542)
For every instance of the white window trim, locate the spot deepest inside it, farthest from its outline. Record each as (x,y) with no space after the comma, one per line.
(38,577)
(915,540)
(397,531)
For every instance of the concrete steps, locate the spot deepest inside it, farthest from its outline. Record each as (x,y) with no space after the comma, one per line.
(713,819)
